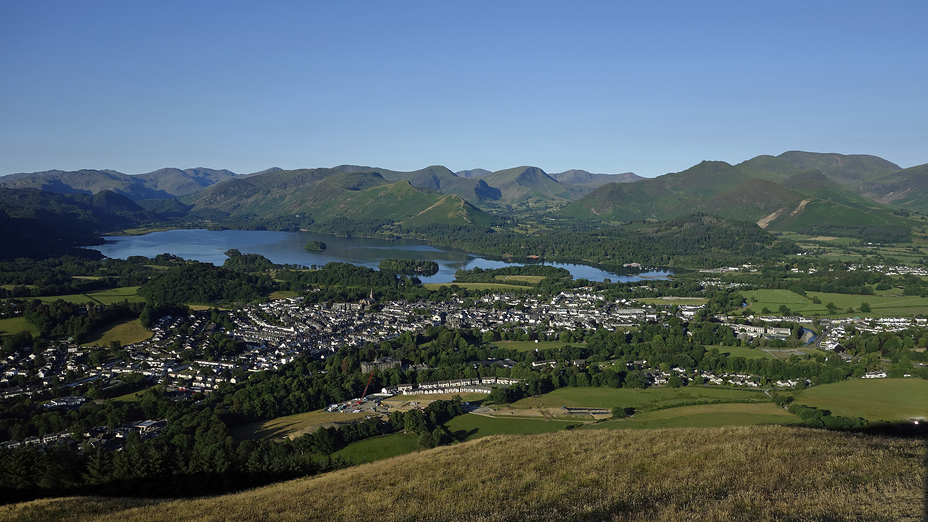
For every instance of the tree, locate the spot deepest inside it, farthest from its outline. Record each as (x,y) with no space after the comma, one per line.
(618,412)
(865,307)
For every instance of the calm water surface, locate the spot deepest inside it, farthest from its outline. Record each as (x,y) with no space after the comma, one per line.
(287,248)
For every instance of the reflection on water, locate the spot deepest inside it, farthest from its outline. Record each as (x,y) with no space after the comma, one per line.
(287,248)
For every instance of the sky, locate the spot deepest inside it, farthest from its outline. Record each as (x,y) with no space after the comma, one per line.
(608,87)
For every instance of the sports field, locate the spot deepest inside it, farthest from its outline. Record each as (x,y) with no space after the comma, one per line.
(528,346)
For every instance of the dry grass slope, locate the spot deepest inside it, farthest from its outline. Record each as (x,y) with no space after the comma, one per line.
(740,473)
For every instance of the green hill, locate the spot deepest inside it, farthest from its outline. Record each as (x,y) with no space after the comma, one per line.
(849,170)
(326,195)
(738,473)
(526,185)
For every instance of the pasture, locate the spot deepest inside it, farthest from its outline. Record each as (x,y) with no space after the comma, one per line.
(476,286)
(872,399)
(379,448)
(647,399)
(881,305)
(528,346)
(294,425)
(126,332)
(704,416)
(14,325)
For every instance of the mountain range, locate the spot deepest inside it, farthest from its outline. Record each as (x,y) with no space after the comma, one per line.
(833,194)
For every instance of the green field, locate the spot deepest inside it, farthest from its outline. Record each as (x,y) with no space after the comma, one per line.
(872,399)
(471,426)
(126,332)
(880,305)
(739,351)
(650,398)
(527,346)
(534,279)
(17,324)
(704,416)
(670,301)
(476,286)
(109,296)
(378,448)
(293,425)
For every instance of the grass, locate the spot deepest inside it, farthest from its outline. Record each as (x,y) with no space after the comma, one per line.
(741,351)
(735,473)
(282,294)
(528,346)
(534,279)
(379,448)
(705,416)
(14,325)
(109,296)
(651,398)
(872,399)
(471,426)
(126,332)
(880,305)
(293,425)
(476,286)
(669,301)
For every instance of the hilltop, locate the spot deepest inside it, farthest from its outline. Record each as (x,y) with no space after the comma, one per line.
(756,473)
(856,195)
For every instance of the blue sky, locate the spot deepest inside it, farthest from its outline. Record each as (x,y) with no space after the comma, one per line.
(647,87)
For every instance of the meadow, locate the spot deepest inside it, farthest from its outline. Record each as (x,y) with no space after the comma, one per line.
(475,286)
(109,296)
(379,448)
(647,399)
(872,399)
(293,425)
(704,416)
(528,346)
(126,332)
(14,325)
(881,305)
(733,473)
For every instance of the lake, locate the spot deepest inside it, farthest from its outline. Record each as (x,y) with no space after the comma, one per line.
(209,246)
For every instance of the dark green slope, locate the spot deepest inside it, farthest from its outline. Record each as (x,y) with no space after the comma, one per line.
(326,195)
(663,197)
(37,223)
(907,189)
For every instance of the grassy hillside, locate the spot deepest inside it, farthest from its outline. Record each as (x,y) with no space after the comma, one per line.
(849,170)
(743,473)
(160,184)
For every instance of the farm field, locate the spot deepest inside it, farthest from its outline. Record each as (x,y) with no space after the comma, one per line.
(872,399)
(293,425)
(126,332)
(704,416)
(880,305)
(379,448)
(650,398)
(14,325)
(282,294)
(527,346)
